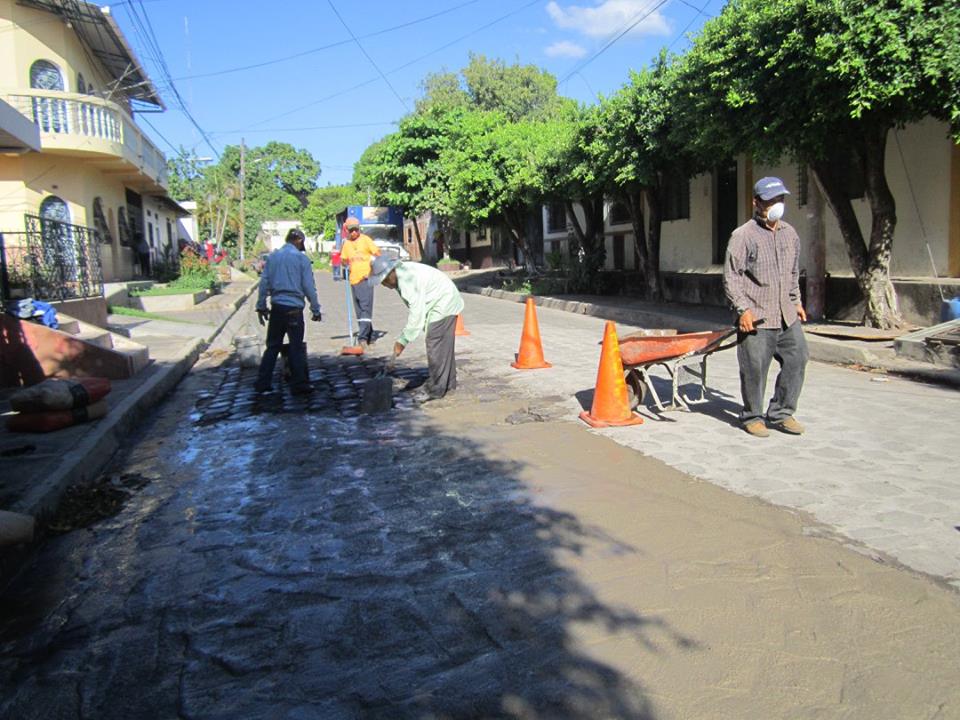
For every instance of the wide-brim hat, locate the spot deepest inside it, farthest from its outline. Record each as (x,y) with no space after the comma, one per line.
(380,268)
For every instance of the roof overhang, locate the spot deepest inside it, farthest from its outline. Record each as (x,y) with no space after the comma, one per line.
(174,207)
(97,29)
(17,134)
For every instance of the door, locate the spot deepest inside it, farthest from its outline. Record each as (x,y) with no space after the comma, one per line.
(725,210)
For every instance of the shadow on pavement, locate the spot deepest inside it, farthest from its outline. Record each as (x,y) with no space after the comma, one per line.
(319,565)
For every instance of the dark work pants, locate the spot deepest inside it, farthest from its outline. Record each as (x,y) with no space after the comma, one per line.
(363,305)
(284,321)
(788,347)
(441,360)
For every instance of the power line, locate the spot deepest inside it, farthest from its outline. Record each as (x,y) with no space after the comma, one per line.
(700,11)
(606,46)
(364,83)
(320,48)
(145,29)
(367,55)
(313,127)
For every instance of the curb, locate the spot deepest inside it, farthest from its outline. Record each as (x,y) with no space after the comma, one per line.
(89,457)
(821,349)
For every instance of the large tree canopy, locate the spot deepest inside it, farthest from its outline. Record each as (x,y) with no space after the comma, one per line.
(824,81)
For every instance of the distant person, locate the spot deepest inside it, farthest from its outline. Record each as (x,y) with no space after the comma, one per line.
(287,279)
(357,252)
(434,303)
(143,255)
(761,278)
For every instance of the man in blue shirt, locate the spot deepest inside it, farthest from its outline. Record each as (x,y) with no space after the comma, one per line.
(287,278)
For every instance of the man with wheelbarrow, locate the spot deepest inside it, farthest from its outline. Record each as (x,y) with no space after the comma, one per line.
(761,278)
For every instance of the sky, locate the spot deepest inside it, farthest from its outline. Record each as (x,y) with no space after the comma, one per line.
(332,76)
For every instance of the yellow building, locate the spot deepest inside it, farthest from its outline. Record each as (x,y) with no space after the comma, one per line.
(83,189)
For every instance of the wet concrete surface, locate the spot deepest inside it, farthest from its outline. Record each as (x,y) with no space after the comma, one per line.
(289,558)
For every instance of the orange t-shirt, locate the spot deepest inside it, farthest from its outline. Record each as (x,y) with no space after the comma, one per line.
(358,254)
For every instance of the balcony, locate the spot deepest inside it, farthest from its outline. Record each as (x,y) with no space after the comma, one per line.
(87,126)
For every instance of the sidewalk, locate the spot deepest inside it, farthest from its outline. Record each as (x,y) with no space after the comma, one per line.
(851,351)
(37,468)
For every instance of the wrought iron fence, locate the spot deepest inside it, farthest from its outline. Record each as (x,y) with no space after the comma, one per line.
(51,261)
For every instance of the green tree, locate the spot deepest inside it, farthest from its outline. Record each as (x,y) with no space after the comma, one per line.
(497,171)
(184,175)
(324,203)
(279,179)
(635,145)
(824,81)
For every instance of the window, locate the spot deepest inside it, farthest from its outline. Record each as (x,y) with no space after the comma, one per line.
(675,195)
(619,214)
(618,252)
(49,114)
(81,85)
(556,218)
(57,237)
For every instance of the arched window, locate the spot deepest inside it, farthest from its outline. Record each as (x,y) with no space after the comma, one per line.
(53,208)
(49,114)
(44,75)
(81,85)
(59,250)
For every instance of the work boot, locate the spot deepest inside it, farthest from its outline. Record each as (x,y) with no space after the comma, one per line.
(788,425)
(757,428)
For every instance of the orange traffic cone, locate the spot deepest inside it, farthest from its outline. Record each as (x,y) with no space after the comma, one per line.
(610,403)
(530,356)
(461,330)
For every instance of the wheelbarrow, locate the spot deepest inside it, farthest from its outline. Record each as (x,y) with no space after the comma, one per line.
(674,353)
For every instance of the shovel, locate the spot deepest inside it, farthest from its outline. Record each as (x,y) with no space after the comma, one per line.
(377,393)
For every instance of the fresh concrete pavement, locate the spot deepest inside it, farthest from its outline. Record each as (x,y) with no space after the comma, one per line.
(877,465)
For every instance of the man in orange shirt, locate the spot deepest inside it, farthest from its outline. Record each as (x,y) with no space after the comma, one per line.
(357,252)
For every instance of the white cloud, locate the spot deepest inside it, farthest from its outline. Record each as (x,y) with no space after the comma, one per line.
(564,48)
(609,17)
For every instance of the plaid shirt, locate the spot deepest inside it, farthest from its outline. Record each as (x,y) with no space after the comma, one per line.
(762,272)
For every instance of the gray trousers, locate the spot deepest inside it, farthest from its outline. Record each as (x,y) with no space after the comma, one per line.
(441,359)
(363,306)
(788,347)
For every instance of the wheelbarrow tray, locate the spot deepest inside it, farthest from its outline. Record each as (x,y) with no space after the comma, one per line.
(637,351)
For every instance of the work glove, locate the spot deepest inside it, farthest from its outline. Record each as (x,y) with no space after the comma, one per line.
(263,315)
(316,317)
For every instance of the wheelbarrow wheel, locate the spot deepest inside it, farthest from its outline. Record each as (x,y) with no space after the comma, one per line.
(636,390)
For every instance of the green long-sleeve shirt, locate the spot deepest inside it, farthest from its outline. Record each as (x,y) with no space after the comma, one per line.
(429,295)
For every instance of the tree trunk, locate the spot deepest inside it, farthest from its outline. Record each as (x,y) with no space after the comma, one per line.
(416,233)
(655,220)
(634,202)
(871,268)
(514,222)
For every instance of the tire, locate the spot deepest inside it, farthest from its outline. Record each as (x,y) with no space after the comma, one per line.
(636,390)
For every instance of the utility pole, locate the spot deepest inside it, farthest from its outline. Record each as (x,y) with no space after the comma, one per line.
(243,182)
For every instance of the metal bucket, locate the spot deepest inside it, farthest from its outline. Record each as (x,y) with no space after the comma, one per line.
(950,309)
(248,350)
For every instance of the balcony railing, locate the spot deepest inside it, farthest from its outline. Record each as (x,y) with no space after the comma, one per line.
(50,261)
(89,118)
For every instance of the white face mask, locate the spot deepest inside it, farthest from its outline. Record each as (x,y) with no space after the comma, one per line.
(775,212)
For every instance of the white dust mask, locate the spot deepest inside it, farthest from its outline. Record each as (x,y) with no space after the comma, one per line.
(775,212)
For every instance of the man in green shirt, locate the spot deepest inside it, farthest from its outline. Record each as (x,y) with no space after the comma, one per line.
(434,303)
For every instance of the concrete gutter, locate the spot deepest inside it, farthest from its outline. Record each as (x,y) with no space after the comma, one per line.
(87,459)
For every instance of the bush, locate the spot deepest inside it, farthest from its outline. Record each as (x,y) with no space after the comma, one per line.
(320,261)
(195,273)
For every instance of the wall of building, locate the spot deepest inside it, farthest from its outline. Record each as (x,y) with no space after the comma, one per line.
(44,36)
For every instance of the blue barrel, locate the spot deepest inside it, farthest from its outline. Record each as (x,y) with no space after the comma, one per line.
(950,309)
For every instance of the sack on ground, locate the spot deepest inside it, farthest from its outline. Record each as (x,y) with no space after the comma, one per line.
(60,394)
